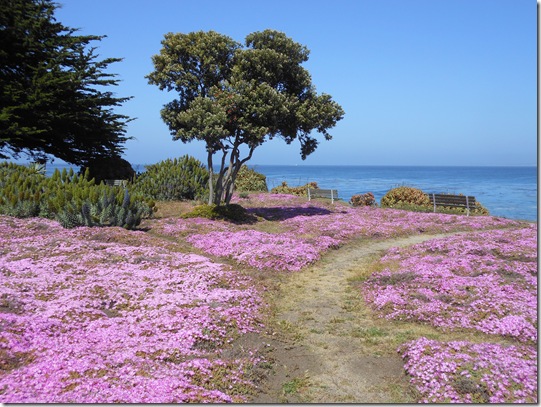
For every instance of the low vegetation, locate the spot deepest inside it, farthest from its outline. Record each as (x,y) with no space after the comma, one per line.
(249,180)
(94,313)
(72,199)
(184,178)
(109,316)
(298,191)
(482,281)
(414,199)
(366,199)
(399,196)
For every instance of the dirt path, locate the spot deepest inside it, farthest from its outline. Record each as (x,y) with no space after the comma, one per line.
(317,355)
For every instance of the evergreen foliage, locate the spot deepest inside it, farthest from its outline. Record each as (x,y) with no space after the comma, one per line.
(363,200)
(73,199)
(52,97)
(235,98)
(185,178)
(414,199)
(103,168)
(249,180)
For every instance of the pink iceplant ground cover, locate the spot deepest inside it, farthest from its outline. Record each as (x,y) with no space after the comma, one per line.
(307,229)
(106,315)
(485,281)
(465,372)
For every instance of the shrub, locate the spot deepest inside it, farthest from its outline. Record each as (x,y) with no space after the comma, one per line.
(72,199)
(233,212)
(405,196)
(363,200)
(108,168)
(249,180)
(299,191)
(21,189)
(105,211)
(185,178)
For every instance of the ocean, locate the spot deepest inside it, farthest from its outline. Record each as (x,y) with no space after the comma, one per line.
(509,192)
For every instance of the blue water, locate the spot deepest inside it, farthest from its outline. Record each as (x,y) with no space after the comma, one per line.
(509,192)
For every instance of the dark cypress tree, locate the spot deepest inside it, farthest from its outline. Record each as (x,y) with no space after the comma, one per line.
(53,100)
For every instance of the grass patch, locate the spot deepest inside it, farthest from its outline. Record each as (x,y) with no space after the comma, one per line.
(290,330)
(295,385)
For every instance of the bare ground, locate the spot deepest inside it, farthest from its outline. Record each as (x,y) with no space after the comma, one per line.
(315,342)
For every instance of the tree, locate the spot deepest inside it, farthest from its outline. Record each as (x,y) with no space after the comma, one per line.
(235,98)
(53,100)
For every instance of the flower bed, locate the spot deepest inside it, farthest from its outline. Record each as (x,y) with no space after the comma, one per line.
(465,372)
(105,315)
(485,281)
(263,250)
(307,229)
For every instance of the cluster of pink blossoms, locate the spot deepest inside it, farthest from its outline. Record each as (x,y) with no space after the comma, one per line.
(485,281)
(104,315)
(307,229)
(481,280)
(263,250)
(465,372)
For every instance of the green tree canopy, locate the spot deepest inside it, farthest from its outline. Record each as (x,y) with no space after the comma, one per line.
(236,97)
(53,100)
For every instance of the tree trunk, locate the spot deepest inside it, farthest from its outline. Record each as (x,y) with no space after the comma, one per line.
(222,190)
(211,176)
(217,188)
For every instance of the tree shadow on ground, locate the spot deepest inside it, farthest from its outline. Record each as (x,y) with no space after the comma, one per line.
(277,213)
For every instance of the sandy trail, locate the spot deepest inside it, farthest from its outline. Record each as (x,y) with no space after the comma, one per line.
(320,360)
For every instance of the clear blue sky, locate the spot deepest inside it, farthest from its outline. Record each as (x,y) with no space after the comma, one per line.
(422,82)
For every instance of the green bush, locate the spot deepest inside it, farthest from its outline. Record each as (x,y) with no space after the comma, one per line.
(249,180)
(185,178)
(404,196)
(106,211)
(21,190)
(233,212)
(72,199)
(108,168)
(299,191)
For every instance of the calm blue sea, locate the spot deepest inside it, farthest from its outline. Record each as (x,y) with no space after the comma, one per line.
(509,192)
